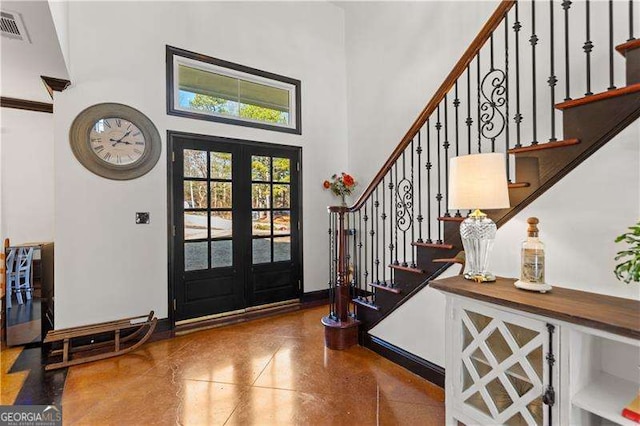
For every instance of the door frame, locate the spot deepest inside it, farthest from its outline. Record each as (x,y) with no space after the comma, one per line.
(171,136)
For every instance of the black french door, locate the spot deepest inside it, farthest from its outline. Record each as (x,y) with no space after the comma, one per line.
(235,219)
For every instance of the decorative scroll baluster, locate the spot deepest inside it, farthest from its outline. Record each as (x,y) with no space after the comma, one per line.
(383,216)
(631,37)
(429,166)
(492,68)
(553,80)
(611,83)
(506,86)
(566,5)
(533,40)
(420,218)
(375,217)
(456,104)
(395,206)
(518,117)
(446,145)
(404,221)
(469,120)
(493,89)
(439,195)
(588,47)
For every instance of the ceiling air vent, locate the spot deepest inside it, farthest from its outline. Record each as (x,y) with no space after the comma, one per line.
(12,26)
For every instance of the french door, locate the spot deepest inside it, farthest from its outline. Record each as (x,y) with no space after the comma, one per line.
(235,224)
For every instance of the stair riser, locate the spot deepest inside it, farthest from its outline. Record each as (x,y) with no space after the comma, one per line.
(633,66)
(452,234)
(426,256)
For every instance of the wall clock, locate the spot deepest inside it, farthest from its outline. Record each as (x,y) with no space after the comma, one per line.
(115,141)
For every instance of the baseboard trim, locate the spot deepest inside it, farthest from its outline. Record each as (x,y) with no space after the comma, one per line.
(315,298)
(423,368)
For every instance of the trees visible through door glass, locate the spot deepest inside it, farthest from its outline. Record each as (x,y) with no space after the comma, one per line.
(195,163)
(195,194)
(260,168)
(260,195)
(221,195)
(281,169)
(261,222)
(220,165)
(281,222)
(281,196)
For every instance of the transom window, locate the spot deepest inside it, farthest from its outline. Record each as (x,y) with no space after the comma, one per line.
(207,88)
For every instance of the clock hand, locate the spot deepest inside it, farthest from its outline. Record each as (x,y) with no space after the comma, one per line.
(117,141)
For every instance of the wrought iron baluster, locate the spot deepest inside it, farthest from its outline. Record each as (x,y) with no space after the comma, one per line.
(456,104)
(566,5)
(553,80)
(611,82)
(374,255)
(365,259)
(588,47)
(491,69)
(383,216)
(363,283)
(446,145)
(533,40)
(420,218)
(479,84)
(439,195)
(469,120)
(395,206)
(631,37)
(429,166)
(377,231)
(506,77)
(518,117)
(403,218)
(411,222)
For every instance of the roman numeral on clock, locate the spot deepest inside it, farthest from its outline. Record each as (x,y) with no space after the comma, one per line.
(118,122)
(107,156)
(98,148)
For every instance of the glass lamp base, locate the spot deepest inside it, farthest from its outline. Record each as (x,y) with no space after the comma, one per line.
(478,233)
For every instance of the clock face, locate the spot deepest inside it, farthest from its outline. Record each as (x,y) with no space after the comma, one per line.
(116,141)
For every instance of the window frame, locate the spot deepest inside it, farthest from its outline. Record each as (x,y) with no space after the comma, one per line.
(177,56)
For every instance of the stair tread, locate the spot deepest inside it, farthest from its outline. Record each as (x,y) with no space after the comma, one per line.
(629,45)
(451,219)
(434,245)
(386,287)
(519,184)
(407,268)
(627,90)
(366,302)
(447,260)
(547,145)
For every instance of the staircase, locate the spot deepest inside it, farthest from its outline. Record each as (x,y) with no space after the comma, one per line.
(513,85)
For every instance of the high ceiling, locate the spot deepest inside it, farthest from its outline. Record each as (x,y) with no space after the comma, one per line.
(23,63)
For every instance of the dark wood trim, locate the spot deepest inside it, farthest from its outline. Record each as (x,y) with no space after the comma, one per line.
(519,185)
(420,366)
(547,145)
(612,314)
(386,288)
(318,297)
(172,110)
(485,33)
(434,245)
(339,335)
(407,269)
(630,45)
(26,105)
(53,84)
(367,303)
(627,90)
(451,219)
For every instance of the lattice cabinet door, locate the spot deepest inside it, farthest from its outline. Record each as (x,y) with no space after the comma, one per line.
(505,373)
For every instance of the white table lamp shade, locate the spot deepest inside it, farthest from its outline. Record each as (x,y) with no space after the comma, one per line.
(478,181)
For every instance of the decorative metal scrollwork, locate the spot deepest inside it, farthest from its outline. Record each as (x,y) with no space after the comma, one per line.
(493,90)
(404,204)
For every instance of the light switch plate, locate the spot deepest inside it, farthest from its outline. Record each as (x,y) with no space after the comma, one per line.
(142,218)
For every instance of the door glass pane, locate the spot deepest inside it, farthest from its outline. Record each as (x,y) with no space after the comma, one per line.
(221,253)
(262,250)
(195,256)
(260,168)
(281,196)
(281,222)
(221,195)
(261,223)
(499,395)
(220,165)
(195,194)
(195,226)
(221,224)
(195,163)
(281,169)
(281,249)
(260,195)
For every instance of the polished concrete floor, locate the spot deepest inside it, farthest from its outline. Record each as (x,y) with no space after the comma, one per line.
(273,371)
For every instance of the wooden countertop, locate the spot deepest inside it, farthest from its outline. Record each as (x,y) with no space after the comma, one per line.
(613,314)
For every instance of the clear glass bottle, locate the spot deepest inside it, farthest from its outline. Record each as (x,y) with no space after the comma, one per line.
(532,268)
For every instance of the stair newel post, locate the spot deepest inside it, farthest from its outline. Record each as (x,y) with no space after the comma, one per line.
(588,47)
(518,117)
(566,5)
(553,80)
(611,82)
(631,37)
(428,166)
(332,264)
(533,40)
(343,284)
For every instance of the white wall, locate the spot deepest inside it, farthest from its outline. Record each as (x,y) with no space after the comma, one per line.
(106,266)
(26,163)
(397,56)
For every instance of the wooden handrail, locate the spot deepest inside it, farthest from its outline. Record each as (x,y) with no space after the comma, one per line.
(473,49)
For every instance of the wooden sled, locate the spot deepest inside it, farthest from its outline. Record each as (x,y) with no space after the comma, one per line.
(119,345)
